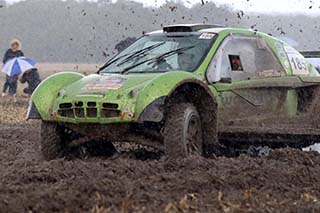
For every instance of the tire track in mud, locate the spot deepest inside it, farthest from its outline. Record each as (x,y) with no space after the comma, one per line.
(286,181)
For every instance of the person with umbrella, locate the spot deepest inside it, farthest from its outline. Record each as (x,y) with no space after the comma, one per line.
(21,65)
(12,81)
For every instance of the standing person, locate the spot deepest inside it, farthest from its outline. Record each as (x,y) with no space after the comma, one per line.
(31,77)
(12,81)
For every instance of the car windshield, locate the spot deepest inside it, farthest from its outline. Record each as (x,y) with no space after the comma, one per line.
(162,53)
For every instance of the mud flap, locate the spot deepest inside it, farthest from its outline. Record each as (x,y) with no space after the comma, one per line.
(153,112)
(314,108)
(33,112)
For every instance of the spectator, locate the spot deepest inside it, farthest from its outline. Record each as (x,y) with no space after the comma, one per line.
(31,77)
(12,81)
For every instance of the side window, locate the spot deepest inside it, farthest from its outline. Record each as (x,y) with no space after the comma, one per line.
(243,58)
(235,63)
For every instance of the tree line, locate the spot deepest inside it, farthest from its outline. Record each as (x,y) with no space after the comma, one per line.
(88,32)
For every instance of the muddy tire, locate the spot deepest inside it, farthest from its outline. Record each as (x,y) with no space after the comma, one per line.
(53,142)
(183,132)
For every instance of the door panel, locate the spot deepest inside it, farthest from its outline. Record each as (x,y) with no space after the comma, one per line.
(250,103)
(260,93)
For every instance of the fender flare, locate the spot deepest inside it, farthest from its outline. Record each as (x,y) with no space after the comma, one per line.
(46,92)
(193,81)
(155,111)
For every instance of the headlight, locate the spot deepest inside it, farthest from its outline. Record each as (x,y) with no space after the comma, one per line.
(61,93)
(134,93)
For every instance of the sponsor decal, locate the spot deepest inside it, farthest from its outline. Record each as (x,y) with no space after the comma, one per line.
(268,73)
(286,64)
(278,45)
(289,49)
(206,36)
(299,64)
(282,55)
(106,83)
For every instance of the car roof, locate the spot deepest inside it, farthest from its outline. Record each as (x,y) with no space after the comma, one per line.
(214,30)
(205,28)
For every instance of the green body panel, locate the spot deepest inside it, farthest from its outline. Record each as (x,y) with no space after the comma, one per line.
(232,31)
(123,96)
(159,87)
(133,93)
(292,103)
(46,92)
(133,97)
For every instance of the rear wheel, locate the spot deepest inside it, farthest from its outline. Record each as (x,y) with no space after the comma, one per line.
(183,131)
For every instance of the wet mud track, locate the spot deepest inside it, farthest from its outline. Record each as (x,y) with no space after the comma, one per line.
(288,180)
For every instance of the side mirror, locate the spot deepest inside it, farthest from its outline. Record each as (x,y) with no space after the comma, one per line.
(226,80)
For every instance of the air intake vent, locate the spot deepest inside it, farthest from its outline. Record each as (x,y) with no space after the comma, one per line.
(189,28)
(110,106)
(68,113)
(107,113)
(65,106)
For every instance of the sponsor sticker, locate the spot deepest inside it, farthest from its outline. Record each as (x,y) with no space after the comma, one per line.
(286,64)
(106,83)
(206,36)
(299,64)
(282,55)
(289,49)
(278,45)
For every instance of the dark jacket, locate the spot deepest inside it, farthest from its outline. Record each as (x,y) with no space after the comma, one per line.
(10,55)
(32,78)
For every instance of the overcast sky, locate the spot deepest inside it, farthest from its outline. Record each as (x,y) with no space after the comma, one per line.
(308,7)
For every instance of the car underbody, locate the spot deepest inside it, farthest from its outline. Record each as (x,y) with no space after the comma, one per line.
(295,134)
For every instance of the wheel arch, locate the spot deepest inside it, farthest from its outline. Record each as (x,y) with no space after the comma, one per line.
(205,102)
(46,92)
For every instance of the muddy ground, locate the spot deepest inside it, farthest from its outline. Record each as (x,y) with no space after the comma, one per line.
(288,180)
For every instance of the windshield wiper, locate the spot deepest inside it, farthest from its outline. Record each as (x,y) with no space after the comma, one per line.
(140,52)
(158,58)
(130,56)
(170,53)
(112,61)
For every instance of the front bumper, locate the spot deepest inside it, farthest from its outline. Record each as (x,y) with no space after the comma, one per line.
(92,111)
(102,112)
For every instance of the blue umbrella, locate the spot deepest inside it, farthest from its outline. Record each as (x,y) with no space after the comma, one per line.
(18,65)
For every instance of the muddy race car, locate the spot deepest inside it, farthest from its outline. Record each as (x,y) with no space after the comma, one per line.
(186,90)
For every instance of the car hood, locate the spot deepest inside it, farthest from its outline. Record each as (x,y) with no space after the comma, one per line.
(107,85)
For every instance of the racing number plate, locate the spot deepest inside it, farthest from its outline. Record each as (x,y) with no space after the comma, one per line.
(299,64)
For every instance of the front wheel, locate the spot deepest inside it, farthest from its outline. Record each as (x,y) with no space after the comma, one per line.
(53,140)
(183,131)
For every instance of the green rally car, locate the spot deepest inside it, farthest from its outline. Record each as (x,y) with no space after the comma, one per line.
(186,90)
